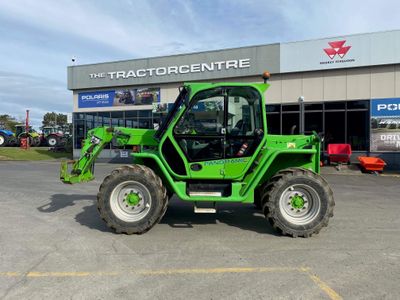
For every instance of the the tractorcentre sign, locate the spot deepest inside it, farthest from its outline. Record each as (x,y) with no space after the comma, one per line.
(229,63)
(181,69)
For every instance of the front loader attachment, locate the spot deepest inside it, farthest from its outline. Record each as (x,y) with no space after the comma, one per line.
(71,177)
(82,170)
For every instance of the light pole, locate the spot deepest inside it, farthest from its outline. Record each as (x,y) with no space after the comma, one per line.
(301,104)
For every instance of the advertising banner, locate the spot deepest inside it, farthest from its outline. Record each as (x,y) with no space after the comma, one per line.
(96,99)
(120,97)
(385,125)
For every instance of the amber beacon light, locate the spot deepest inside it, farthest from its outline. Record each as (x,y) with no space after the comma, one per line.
(266,76)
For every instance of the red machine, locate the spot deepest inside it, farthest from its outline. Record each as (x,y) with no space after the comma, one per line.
(339,153)
(372,164)
(25,140)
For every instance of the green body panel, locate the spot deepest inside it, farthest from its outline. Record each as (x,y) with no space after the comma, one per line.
(245,174)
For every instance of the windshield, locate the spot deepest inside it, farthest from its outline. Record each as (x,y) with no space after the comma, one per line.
(171,114)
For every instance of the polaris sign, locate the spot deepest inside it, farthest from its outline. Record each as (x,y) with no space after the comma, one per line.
(96,99)
(385,107)
(385,125)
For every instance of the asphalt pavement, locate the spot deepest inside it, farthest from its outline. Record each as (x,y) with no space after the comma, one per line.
(53,244)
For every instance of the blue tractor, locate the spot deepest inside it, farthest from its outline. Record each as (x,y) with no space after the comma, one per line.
(7,137)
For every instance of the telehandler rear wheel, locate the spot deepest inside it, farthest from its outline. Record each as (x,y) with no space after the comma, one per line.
(298,202)
(132,199)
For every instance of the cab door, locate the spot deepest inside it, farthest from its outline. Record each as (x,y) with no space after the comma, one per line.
(244,129)
(200,133)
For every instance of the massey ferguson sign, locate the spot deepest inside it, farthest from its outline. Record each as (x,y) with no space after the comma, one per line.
(351,51)
(338,50)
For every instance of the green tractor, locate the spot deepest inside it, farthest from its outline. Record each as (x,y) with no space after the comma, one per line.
(212,148)
(32,136)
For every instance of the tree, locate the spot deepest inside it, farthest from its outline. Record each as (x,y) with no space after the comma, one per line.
(53,119)
(8,122)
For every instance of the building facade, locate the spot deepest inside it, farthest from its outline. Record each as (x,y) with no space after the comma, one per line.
(350,86)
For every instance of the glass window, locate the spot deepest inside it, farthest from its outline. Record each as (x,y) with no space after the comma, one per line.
(290,107)
(79,133)
(90,117)
(79,116)
(244,112)
(117,114)
(144,113)
(117,118)
(90,124)
(273,108)
(205,116)
(313,106)
(358,129)
(130,114)
(131,123)
(244,122)
(144,123)
(313,122)
(334,128)
(104,118)
(335,105)
(274,123)
(359,104)
(290,123)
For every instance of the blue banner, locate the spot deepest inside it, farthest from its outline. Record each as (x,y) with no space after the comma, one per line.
(387,107)
(96,99)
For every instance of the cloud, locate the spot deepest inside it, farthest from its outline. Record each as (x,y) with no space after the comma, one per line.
(19,92)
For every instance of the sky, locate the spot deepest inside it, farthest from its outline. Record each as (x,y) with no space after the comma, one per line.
(38,38)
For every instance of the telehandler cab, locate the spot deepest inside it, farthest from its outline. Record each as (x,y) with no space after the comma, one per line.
(212,147)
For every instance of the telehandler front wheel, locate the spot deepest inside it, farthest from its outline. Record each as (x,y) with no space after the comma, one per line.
(298,202)
(132,199)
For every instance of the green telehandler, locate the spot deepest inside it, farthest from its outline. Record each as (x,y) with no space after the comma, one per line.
(212,147)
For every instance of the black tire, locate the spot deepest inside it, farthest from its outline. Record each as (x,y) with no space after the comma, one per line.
(141,176)
(52,141)
(316,195)
(36,142)
(3,140)
(260,191)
